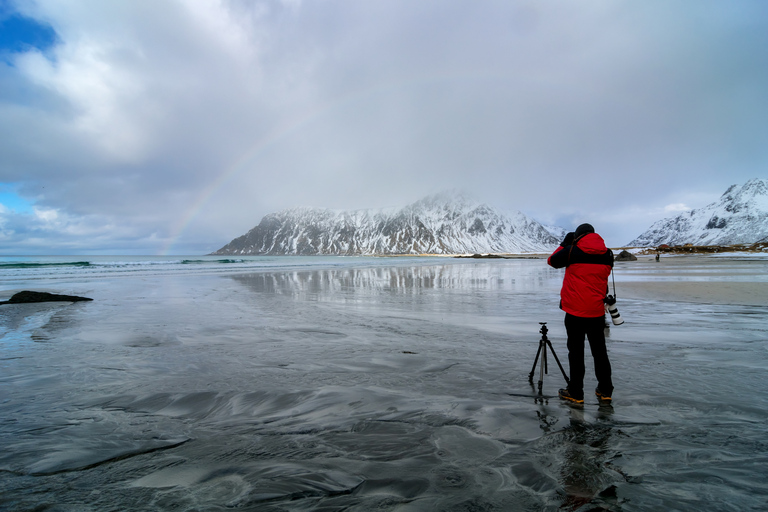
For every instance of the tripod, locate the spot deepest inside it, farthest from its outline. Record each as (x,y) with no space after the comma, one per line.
(543,343)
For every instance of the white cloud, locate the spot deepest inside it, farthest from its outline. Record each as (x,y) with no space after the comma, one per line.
(47,216)
(47,230)
(189,120)
(676,208)
(99,94)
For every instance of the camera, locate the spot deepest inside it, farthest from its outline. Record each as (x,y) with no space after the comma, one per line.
(611,309)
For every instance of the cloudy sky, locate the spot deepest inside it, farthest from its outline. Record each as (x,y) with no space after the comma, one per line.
(173,126)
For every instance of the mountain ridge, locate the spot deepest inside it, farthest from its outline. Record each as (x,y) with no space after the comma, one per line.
(446,223)
(740,216)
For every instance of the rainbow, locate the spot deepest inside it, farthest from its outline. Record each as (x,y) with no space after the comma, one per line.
(279,133)
(293,125)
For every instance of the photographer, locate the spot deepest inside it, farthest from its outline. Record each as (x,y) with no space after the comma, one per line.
(588,263)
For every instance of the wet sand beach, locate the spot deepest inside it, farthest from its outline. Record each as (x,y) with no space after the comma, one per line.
(698,279)
(366,385)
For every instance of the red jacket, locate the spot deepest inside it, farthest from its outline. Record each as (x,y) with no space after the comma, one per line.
(588,263)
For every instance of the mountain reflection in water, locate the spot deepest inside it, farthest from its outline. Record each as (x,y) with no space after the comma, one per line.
(365,386)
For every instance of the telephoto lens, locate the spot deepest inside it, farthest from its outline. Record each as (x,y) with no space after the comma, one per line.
(611,309)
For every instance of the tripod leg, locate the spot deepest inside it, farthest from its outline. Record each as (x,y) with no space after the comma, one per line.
(543,367)
(533,369)
(567,380)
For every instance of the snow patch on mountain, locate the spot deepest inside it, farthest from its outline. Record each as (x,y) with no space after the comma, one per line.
(446,223)
(740,216)
(556,231)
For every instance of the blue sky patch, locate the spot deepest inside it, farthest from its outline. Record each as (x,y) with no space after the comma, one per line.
(19,33)
(11,200)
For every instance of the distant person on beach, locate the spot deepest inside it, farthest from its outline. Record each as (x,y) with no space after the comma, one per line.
(588,263)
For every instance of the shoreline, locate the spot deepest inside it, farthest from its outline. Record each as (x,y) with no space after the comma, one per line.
(735,250)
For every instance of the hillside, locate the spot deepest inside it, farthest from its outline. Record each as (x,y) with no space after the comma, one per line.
(740,216)
(440,224)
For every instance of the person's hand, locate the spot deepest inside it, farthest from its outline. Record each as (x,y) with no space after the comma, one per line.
(568,240)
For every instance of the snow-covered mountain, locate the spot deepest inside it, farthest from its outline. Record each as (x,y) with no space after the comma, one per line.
(440,224)
(740,216)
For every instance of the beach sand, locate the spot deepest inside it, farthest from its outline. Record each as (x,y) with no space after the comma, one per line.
(378,386)
(696,279)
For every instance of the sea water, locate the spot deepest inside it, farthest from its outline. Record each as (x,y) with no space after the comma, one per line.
(270,384)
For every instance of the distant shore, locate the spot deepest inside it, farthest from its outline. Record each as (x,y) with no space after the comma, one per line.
(693,274)
(759,247)
(687,249)
(527,256)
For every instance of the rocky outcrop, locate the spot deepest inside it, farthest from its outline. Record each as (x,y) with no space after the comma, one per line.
(27,297)
(626,256)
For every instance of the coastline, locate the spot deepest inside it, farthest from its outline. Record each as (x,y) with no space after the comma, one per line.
(759,249)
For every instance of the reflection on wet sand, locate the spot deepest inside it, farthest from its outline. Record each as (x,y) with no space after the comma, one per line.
(587,453)
(375,388)
(401,279)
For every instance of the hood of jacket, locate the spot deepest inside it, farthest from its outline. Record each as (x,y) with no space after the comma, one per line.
(592,243)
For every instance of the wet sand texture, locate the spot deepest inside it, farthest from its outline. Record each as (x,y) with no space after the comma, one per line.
(398,388)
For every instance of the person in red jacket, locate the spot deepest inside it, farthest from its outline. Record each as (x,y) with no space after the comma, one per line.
(588,263)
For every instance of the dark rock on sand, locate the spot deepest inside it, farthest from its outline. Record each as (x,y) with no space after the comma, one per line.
(27,297)
(626,256)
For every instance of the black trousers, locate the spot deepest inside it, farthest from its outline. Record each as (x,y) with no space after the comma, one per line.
(594,329)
